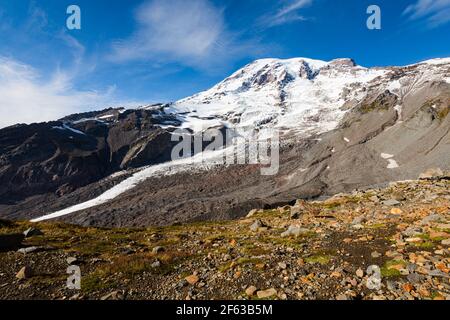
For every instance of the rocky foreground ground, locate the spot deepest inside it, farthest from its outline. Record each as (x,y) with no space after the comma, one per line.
(312,250)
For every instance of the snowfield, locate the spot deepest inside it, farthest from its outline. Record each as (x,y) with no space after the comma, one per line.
(198,162)
(299,95)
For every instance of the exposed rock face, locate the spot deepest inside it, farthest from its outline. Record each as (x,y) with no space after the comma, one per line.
(64,155)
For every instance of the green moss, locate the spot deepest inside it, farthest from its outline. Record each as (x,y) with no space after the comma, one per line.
(390,273)
(318,259)
(224,267)
(423,236)
(244,261)
(376,226)
(93,283)
(253,250)
(387,270)
(425,245)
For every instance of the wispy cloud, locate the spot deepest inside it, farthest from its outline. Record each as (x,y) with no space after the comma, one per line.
(433,12)
(192,33)
(287,13)
(26,96)
(176,29)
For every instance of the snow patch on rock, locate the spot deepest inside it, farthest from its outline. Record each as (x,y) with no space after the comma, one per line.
(392,164)
(387,156)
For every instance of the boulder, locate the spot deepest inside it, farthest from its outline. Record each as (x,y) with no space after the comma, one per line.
(258,224)
(252,213)
(192,279)
(28,250)
(157,250)
(391,202)
(264,294)
(31,232)
(250,291)
(431,174)
(296,211)
(295,231)
(24,273)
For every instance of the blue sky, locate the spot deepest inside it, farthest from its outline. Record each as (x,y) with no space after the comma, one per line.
(143,51)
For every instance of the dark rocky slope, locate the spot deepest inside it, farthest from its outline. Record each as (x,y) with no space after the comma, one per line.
(61,156)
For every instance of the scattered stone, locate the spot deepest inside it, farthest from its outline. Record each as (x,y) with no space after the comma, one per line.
(359,220)
(396,211)
(156,264)
(438,273)
(115,295)
(375,255)
(257,225)
(446,242)
(360,273)
(391,203)
(432,218)
(358,226)
(431,174)
(250,291)
(414,278)
(158,249)
(282,265)
(127,251)
(342,297)
(295,212)
(434,235)
(264,294)
(412,231)
(192,279)
(295,231)
(408,287)
(29,250)
(76,297)
(252,213)
(24,273)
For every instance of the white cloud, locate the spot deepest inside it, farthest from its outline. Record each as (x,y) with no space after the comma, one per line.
(25,97)
(177,28)
(434,12)
(287,13)
(192,33)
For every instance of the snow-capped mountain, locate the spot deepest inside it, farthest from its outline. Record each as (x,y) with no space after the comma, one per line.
(298,95)
(343,126)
